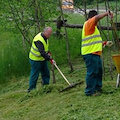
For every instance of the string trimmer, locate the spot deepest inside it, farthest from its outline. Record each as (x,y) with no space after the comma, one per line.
(70,85)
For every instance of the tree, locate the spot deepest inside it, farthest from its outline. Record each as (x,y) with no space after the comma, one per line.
(67,41)
(31,14)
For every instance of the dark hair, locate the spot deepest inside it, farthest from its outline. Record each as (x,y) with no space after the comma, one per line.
(92,13)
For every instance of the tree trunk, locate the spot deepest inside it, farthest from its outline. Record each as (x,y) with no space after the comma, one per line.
(116,10)
(36,14)
(84,2)
(109,54)
(41,15)
(67,41)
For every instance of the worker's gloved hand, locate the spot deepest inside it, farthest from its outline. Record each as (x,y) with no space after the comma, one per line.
(52,61)
(109,43)
(104,43)
(49,55)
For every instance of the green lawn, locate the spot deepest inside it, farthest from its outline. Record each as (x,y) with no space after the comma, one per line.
(46,103)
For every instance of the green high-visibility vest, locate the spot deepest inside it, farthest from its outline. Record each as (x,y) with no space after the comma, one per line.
(91,43)
(34,52)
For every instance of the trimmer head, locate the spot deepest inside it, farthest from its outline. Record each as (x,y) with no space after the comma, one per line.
(71,86)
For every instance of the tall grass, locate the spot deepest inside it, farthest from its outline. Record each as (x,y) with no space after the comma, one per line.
(14,59)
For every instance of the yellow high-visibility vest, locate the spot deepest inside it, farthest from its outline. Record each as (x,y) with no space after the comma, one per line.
(34,52)
(91,43)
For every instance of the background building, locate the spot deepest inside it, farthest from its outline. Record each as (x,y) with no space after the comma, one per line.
(67,4)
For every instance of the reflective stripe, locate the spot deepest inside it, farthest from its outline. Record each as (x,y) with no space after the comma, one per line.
(95,36)
(35,49)
(91,43)
(35,54)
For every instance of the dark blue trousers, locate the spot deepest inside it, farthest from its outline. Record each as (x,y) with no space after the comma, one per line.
(36,68)
(94,73)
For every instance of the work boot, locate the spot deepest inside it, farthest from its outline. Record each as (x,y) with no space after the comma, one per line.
(28,91)
(100,90)
(96,94)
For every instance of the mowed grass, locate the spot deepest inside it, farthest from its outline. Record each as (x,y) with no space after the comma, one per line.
(47,103)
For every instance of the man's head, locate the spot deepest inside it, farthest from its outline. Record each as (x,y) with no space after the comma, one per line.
(92,13)
(47,32)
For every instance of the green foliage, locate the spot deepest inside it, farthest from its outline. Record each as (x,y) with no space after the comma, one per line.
(89,1)
(49,8)
(76,1)
(81,2)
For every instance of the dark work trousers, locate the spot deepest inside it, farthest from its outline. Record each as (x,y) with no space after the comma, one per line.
(36,68)
(94,73)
